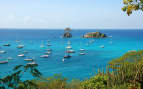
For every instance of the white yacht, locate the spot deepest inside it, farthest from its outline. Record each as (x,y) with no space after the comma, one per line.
(70,51)
(32,63)
(21,55)
(20,46)
(102,46)
(68,47)
(48,44)
(82,49)
(2,51)
(82,53)
(44,56)
(3,62)
(49,52)
(6,45)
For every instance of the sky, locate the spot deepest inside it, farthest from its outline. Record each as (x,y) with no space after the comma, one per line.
(59,14)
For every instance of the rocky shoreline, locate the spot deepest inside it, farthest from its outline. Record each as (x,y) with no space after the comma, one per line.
(94,35)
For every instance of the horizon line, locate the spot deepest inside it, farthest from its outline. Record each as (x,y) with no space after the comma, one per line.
(71,28)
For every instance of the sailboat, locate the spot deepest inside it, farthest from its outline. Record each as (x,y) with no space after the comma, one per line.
(21,55)
(20,45)
(82,51)
(48,44)
(42,45)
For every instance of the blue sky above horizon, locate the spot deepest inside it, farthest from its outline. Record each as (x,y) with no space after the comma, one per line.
(58,14)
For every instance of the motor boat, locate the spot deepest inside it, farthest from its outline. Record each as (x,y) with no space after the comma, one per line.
(49,52)
(102,46)
(70,51)
(21,55)
(82,53)
(44,56)
(28,59)
(32,63)
(6,45)
(20,46)
(3,62)
(82,49)
(69,47)
(2,52)
(67,56)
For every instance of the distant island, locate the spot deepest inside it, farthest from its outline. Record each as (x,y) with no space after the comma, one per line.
(94,35)
(67,33)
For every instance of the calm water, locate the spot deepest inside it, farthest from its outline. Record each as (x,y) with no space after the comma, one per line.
(78,66)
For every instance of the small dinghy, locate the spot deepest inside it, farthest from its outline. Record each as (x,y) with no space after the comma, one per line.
(3,62)
(44,56)
(21,55)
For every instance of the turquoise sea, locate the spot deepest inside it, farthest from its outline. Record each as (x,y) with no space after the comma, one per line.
(78,66)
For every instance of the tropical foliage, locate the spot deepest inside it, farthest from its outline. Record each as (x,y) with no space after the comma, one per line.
(132,5)
(125,72)
(14,79)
